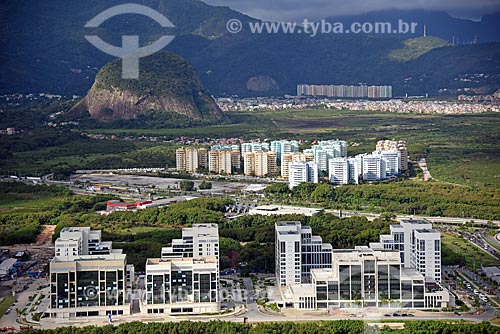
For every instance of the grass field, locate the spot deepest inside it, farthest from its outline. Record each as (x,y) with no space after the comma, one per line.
(5,304)
(474,257)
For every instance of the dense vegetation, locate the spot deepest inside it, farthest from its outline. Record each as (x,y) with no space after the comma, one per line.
(408,197)
(318,327)
(24,208)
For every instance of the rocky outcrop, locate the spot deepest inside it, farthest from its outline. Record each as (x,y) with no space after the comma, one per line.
(167,83)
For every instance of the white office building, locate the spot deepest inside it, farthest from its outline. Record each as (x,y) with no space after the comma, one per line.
(300,172)
(339,171)
(88,277)
(184,285)
(419,246)
(198,241)
(298,252)
(373,276)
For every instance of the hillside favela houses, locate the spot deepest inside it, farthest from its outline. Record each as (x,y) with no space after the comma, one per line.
(403,270)
(323,160)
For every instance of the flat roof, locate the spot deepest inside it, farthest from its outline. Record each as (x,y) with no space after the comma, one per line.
(7,264)
(157,261)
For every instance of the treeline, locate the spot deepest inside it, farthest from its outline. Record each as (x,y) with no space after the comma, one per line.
(20,222)
(317,327)
(406,197)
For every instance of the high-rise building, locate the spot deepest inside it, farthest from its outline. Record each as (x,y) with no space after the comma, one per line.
(254,147)
(282,147)
(395,145)
(185,280)
(224,159)
(373,168)
(260,164)
(297,252)
(392,162)
(191,159)
(181,286)
(87,276)
(339,171)
(293,157)
(373,276)
(300,172)
(418,244)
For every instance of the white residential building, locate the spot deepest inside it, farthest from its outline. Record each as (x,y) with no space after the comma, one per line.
(374,167)
(395,145)
(300,172)
(392,162)
(339,171)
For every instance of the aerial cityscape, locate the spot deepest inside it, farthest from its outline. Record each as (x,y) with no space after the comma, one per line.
(207,166)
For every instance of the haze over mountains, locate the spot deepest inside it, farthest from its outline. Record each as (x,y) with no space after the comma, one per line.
(59,60)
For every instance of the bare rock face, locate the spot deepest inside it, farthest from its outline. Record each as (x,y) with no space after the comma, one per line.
(262,83)
(166,83)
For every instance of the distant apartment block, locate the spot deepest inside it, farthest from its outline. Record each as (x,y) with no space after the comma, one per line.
(345,91)
(324,151)
(288,158)
(300,172)
(395,145)
(254,148)
(297,252)
(87,276)
(282,147)
(224,159)
(191,159)
(260,163)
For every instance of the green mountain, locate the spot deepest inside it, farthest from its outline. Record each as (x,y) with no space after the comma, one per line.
(167,84)
(416,47)
(58,59)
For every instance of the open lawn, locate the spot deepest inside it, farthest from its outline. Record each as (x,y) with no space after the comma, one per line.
(5,304)
(474,257)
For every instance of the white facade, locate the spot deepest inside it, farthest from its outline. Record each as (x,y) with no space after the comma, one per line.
(87,276)
(419,246)
(298,252)
(199,241)
(392,162)
(374,167)
(339,171)
(373,276)
(300,172)
(181,286)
